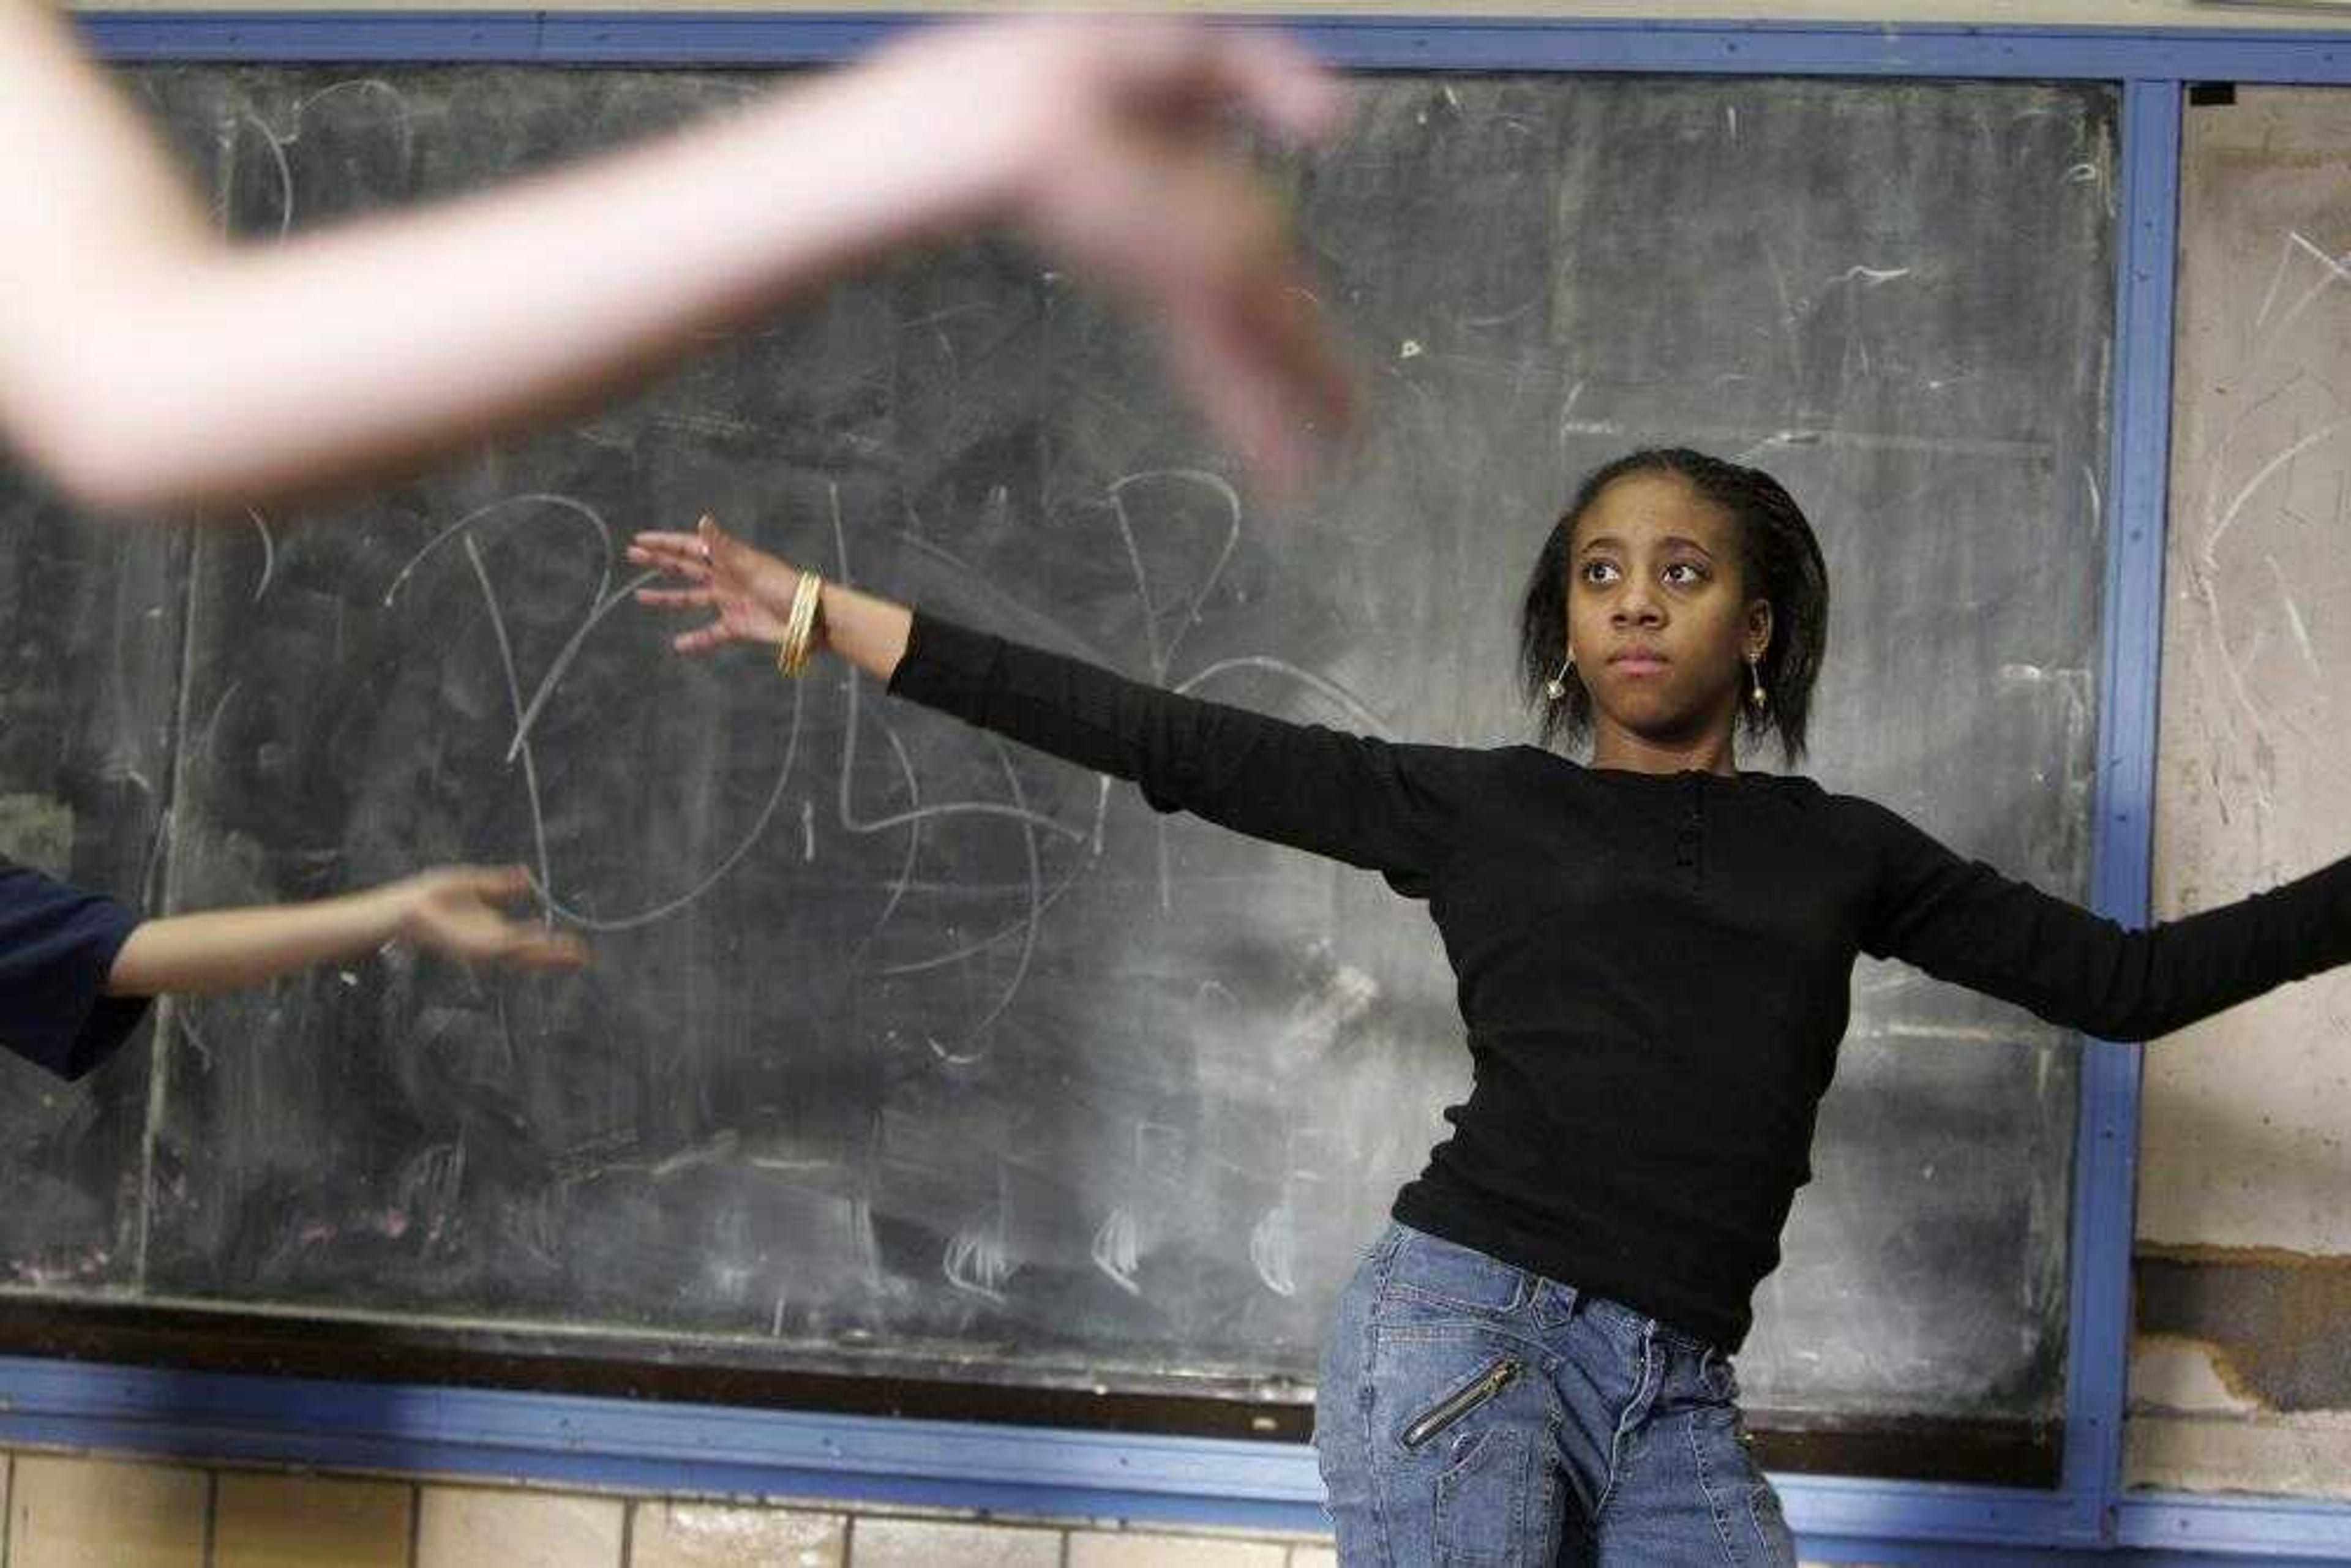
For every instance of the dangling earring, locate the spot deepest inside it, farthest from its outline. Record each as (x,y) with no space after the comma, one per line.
(1556,687)
(1755,698)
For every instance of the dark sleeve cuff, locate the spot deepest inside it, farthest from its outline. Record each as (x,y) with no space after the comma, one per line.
(111,1021)
(58,945)
(945,665)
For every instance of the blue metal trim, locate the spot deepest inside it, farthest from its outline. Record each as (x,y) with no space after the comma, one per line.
(1877,1511)
(1808,48)
(262,35)
(1361,43)
(1887,1555)
(2107,1134)
(721,1450)
(655,1447)
(2265,1528)
(718,1450)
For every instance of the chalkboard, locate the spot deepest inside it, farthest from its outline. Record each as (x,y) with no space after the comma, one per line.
(906,1052)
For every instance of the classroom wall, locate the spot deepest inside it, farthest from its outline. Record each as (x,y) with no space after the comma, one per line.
(2242,1376)
(66,1510)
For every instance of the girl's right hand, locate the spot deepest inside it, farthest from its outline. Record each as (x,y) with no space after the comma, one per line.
(750,591)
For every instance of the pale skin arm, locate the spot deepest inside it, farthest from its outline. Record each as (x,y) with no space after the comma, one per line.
(146,363)
(452,910)
(750,593)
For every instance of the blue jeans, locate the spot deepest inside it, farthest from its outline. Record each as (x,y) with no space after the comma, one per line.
(1472,1414)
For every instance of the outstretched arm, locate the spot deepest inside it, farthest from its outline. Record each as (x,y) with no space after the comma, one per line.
(1962,921)
(1384,807)
(78,968)
(146,363)
(453,910)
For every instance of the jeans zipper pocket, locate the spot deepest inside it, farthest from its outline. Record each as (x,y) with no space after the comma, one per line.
(1461,1401)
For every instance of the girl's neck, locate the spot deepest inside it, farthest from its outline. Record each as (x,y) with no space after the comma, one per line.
(1616,747)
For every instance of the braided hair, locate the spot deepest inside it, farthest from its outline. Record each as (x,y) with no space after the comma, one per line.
(1779,560)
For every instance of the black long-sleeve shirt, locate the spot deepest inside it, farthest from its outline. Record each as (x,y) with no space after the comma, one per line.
(1653,968)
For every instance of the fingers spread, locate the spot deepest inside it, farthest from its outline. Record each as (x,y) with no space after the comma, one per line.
(677,563)
(680,597)
(702,639)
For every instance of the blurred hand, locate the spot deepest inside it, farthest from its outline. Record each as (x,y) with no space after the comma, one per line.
(1109,135)
(454,911)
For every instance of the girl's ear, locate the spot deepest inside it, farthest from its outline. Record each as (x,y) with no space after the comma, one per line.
(1759,628)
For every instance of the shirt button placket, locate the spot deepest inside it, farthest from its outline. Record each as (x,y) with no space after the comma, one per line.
(1688,841)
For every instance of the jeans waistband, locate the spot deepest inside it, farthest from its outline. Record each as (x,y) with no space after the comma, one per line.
(1604,1306)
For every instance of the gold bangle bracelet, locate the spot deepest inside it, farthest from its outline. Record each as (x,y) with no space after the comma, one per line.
(805,648)
(800,625)
(788,652)
(791,626)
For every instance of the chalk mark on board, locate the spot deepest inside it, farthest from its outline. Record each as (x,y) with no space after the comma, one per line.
(570,651)
(1273,1239)
(278,140)
(2332,272)
(905,877)
(526,714)
(268,552)
(1788,316)
(1116,1248)
(2208,554)
(285,171)
(207,744)
(514,696)
(2293,616)
(2267,333)
(717,874)
(1005,933)
(567,505)
(960,1055)
(1161,654)
(429,1184)
(1031,823)
(978,1260)
(1160,657)
(971,579)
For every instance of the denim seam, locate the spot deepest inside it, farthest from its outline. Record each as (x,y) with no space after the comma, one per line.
(1433,1334)
(1636,1411)
(1363,1402)
(1706,1490)
(1765,1547)
(1520,1299)
(1763,1551)
(1447,1485)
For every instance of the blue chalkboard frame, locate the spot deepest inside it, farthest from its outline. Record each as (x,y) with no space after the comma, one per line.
(688,1449)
